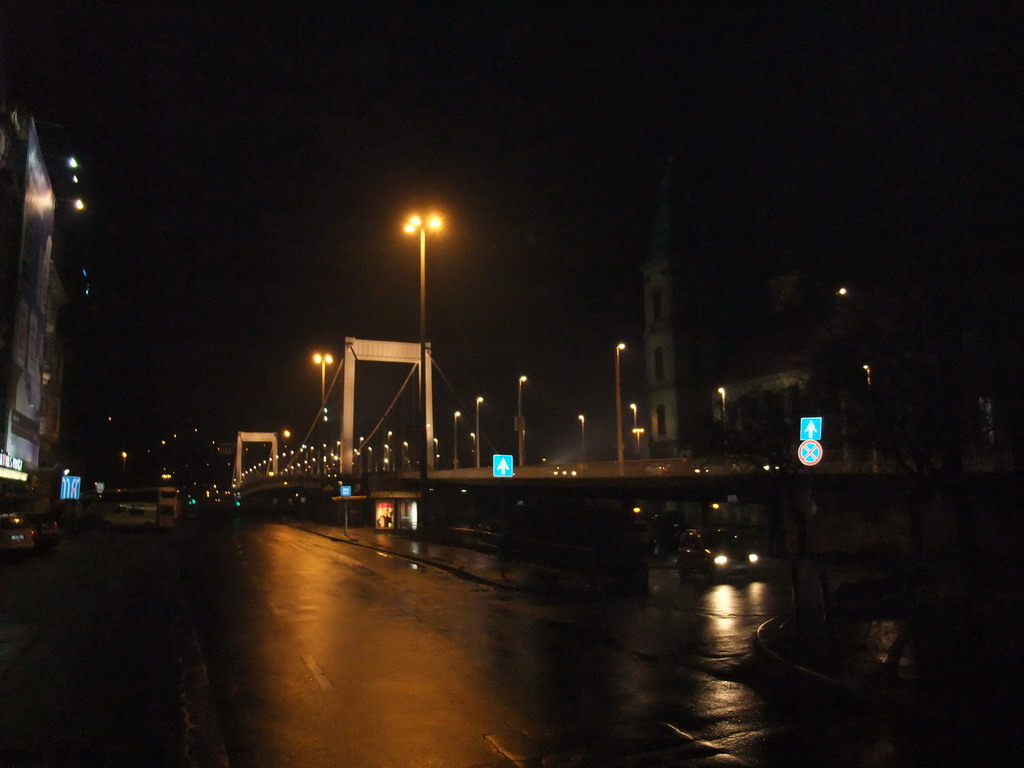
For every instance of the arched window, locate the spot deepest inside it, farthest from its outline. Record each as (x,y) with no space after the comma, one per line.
(656,303)
(659,364)
(661,420)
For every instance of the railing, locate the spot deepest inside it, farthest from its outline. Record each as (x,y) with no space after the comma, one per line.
(834,461)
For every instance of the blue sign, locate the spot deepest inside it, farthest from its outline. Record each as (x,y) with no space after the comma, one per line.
(502,465)
(810,452)
(346,490)
(810,428)
(70,487)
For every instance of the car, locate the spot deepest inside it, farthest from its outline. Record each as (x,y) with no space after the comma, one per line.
(692,555)
(16,534)
(718,555)
(47,532)
(731,556)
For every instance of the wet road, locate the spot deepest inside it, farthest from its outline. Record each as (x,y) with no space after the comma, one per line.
(320,653)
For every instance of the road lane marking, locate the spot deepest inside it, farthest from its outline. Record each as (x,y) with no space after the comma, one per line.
(318,673)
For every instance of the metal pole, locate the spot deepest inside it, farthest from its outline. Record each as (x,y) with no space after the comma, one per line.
(520,425)
(422,514)
(455,440)
(583,439)
(618,408)
(478,401)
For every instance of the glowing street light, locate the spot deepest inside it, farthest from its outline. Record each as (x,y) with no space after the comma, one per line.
(583,438)
(520,426)
(416,223)
(476,438)
(455,440)
(323,361)
(618,407)
(725,435)
(632,407)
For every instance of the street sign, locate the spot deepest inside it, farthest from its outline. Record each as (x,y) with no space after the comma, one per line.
(810,428)
(810,452)
(346,490)
(70,487)
(502,465)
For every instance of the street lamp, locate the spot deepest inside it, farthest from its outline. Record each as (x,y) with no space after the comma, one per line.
(416,223)
(725,435)
(639,432)
(455,440)
(871,399)
(520,426)
(405,454)
(124,464)
(323,361)
(583,438)
(618,407)
(632,407)
(476,444)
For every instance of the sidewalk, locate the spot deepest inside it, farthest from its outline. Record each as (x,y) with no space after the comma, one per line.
(465,563)
(930,649)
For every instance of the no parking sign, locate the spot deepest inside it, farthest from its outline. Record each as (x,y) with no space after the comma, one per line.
(810,452)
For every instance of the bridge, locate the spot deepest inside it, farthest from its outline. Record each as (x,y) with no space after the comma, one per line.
(396,489)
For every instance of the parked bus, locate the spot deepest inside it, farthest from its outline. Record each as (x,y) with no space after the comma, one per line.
(140,508)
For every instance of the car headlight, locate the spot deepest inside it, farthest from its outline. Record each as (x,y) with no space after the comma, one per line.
(752,557)
(721,559)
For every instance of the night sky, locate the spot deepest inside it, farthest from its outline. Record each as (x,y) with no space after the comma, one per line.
(248,172)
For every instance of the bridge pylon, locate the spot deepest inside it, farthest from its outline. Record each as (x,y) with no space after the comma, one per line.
(382,352)
(253,437)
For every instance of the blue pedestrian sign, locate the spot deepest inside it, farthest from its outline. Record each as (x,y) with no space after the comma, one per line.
(810,452)
(70,487)
(502,465)
(346,490)
(810,428)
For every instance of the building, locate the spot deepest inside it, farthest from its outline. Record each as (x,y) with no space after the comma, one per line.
(31,295)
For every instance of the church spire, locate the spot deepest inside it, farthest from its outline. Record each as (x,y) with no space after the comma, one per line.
(662,235)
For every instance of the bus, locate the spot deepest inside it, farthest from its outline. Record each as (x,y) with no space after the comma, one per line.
(140,508)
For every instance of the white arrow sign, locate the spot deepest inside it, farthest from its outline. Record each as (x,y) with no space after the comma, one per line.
(810,428)
(502,465)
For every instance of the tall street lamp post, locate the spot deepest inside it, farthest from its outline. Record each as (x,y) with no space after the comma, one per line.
(583,439)
(618,408)
(632,407)
(477,438)
(323,360)
(416,223)
(871,398)
(725,432)
(455,439)
(520,426)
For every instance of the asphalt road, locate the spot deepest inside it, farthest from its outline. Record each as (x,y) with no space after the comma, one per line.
(258,644)
(325,654)
(91,639)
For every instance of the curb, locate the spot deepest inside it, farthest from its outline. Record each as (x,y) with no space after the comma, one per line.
(762,645)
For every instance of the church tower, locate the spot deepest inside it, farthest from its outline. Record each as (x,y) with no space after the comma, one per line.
(677,410)
(659,331)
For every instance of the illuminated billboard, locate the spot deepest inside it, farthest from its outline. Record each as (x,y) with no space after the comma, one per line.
(25,390)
